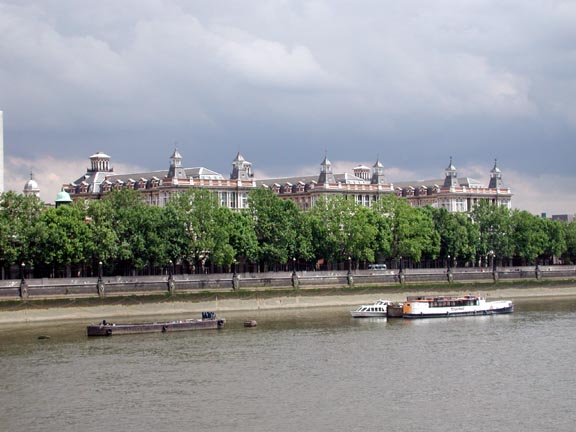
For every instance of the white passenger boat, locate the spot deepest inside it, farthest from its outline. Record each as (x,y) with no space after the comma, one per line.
(448,306)
(376,309)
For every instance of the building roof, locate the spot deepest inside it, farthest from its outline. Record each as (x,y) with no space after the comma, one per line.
(63,197)
(345,178)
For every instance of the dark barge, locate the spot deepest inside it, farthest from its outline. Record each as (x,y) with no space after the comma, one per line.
(207,322)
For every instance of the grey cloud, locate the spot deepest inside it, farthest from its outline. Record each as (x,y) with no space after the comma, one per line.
(414,81)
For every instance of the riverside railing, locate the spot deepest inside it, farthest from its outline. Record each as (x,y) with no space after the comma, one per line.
(102,286)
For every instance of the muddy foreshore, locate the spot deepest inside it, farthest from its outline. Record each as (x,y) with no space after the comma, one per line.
(134,307)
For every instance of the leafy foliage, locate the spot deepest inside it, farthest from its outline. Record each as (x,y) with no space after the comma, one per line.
(193,231)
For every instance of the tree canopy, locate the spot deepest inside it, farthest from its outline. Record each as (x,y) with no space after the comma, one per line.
(196,234)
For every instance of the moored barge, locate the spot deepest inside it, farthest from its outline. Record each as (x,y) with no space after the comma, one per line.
(448,306)
(208,321)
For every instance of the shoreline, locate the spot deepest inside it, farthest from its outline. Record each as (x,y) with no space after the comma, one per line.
(39,314)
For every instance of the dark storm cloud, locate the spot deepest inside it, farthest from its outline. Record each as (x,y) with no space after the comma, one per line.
(284,81)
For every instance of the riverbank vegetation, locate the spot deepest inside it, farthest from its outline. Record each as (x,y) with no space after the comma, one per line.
(120,235)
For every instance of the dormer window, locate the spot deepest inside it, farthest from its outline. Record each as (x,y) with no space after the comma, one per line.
(106,186)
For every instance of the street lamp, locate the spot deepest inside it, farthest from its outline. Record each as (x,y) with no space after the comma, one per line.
(448,262)
(23,272)
(100,271)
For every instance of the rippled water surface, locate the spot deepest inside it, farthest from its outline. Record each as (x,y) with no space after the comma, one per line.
(299,370)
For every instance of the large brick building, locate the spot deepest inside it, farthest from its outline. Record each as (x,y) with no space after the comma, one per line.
(364,184)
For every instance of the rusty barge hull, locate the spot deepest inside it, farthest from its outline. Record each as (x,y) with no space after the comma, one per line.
(110,329)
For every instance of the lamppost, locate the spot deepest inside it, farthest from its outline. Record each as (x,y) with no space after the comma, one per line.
(22,273)
(494,268)
(23,284)
(401,275)
(449,270)
(235,278)
(295,279)
(494,262)
(100,283)
(100,272)
(171,285)
(350,278)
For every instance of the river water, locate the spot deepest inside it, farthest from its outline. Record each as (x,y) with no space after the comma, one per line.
(299,370)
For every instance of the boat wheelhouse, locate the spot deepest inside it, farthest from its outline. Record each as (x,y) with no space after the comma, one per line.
(449,306)
(376,309)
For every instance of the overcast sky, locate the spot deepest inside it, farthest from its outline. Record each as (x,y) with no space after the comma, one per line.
(285,82)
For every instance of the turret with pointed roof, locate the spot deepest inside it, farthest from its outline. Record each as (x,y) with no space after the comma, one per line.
(451,179)
(495,176)
(326,175)
(378,173)
(241,168)
(176,171)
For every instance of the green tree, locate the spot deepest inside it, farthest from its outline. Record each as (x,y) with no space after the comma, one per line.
(18,217)
(275,226)
(243,236)
(105,240)
(198,229)
(343,229)
(529,236)
(556,244)
(457,234)
(494,229)
(138,229)
(63,239)
(412,231)
(570,239)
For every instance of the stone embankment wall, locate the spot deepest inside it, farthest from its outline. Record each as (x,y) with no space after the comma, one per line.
(148,285)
